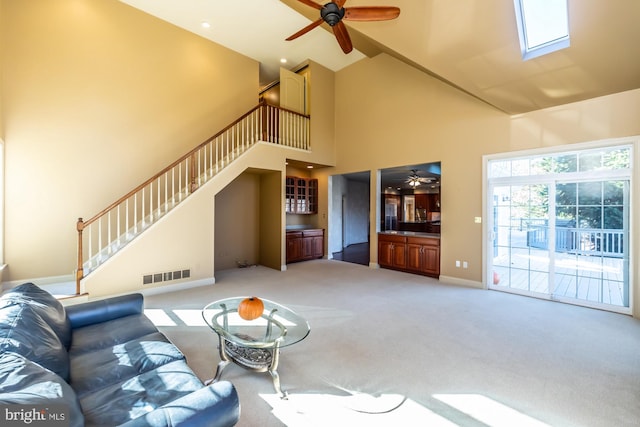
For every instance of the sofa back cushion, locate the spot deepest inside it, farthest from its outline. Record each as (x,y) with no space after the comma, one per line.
(46,305)
(23,331)
(23,382)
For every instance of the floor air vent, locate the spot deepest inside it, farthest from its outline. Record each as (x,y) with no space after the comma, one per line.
(148,279)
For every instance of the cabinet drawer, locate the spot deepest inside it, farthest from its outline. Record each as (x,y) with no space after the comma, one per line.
(423,241)
(393,238)
(313,233)
(294,234)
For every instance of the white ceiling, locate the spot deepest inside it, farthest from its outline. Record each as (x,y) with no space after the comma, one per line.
(470,44)
(254,28)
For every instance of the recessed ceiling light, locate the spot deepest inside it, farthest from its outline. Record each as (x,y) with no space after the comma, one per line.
(283,60)
(205,24)
(309,166)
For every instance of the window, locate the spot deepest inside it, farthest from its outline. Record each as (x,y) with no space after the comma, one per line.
(559,225)
(543,26)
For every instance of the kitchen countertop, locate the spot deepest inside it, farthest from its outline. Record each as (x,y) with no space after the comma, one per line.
(411,233)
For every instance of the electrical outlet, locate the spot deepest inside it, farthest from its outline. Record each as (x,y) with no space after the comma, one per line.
(465,264)
(457,264)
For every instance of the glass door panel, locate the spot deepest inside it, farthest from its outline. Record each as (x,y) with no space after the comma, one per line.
(559,226)
(585,258)
(592,231)
(520,245)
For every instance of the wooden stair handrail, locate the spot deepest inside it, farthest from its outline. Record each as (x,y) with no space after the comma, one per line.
(185,156)
(81,224)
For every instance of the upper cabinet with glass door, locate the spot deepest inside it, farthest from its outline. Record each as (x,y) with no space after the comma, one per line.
(301,195)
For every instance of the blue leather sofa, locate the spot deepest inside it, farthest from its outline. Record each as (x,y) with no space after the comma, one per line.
(104,362)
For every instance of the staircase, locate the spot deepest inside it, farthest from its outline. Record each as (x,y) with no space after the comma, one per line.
(102,236)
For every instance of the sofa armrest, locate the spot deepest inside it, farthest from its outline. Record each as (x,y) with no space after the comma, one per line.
(99,311)
(215,405)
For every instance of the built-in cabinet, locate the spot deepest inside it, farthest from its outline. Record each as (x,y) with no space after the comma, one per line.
(303,245)
(392,251)
(414,254)
(423,255)
(301,195)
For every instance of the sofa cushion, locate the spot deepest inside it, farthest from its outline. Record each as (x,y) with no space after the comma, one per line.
(107,334)
(26,383)
(101,368)
(23,331)
(134,397)
(46,305)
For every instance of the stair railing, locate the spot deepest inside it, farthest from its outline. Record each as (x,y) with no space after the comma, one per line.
(111,229)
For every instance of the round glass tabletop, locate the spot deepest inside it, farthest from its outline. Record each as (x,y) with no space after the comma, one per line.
(278,326)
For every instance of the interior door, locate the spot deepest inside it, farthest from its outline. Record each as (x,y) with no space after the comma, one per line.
(292,91)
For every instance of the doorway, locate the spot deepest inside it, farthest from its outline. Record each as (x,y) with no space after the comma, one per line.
(559,226)
(350,216)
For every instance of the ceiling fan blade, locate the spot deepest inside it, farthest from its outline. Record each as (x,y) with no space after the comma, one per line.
(342,35)
(311,3)
(371,13)
(305,30)
(340,3)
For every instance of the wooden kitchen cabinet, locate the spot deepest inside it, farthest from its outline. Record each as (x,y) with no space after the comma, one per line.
(423,255)
(422,201)
(413,254)
(304,245)
(301,195)
(312,244)
(392,251)
(294,246)
(433,203)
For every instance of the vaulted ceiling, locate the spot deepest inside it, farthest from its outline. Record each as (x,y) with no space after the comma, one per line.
(470,44)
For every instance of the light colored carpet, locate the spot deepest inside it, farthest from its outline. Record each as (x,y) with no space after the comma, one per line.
(389,348)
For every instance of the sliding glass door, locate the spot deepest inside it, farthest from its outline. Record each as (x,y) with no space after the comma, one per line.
(560,226)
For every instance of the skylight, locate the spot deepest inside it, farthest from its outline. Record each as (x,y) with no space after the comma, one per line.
(543,26)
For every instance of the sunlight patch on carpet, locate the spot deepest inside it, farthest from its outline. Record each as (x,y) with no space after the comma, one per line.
(488,411)
(159,317)
(320,410)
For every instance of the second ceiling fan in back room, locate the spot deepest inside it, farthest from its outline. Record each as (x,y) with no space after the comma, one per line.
(415,180)
(333,13)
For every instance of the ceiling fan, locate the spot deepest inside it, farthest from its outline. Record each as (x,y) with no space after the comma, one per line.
(333,13)
(414,179)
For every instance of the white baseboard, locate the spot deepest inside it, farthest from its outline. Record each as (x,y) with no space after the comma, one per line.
(177,286)
(462,282)
(153,290)
(52,280)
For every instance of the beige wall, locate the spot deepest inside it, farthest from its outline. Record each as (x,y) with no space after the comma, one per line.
(97,97)
(2,44)
(604,118)
(272,246)
(248,220)
(388,114)
(237,231)
(193,236)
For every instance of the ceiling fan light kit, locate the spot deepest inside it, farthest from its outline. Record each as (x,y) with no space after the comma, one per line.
(333,13)
(415,180)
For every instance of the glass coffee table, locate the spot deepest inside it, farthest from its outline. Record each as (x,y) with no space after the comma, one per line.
(254,344)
